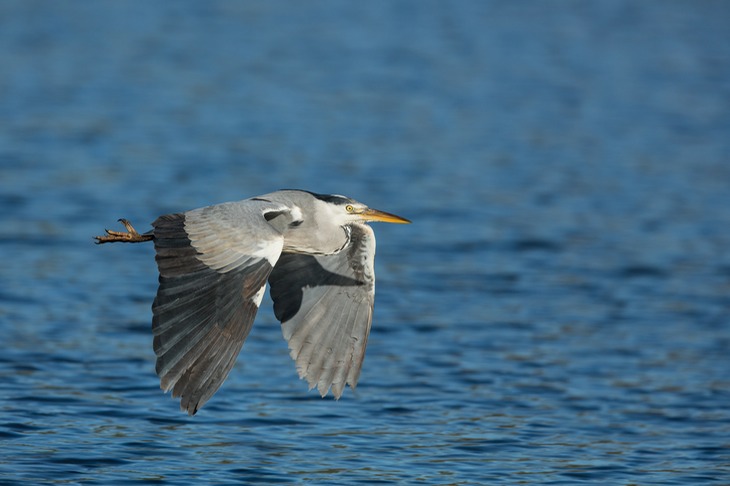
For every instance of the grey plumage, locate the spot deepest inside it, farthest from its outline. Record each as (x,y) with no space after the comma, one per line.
(316,253)
(325,306)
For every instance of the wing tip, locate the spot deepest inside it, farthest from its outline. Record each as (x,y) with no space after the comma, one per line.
(190,408)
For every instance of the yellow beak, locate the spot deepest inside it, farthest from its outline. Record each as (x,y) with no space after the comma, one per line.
(382,216)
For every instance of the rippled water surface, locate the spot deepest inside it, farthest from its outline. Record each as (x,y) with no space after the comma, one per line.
(559,312)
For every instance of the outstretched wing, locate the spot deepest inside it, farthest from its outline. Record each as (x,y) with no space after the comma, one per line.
(213,265)
(325,305)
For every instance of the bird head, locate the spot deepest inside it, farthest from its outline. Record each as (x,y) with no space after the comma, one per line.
(342,210)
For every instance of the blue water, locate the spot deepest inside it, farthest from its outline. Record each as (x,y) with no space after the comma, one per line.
(558,313)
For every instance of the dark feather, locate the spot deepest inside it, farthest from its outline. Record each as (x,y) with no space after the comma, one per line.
(201,317)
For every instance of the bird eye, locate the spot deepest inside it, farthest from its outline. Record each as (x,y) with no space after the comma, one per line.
(349,208)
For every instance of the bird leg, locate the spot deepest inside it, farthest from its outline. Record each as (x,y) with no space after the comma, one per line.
(129,236)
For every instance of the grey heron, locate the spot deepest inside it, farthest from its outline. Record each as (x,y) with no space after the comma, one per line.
(316,251)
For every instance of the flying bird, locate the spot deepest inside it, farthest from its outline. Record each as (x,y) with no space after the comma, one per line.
(316,251)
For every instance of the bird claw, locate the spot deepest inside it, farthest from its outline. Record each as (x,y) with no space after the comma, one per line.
(129,236)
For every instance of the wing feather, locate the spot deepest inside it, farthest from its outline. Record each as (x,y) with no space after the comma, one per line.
(325,304)
(213,263)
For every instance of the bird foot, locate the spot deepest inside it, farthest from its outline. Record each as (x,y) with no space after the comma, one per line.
(129,236)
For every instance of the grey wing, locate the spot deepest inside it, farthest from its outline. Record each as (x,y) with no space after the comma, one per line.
(213,266)
(325,305)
